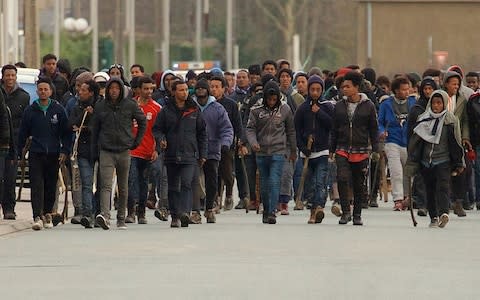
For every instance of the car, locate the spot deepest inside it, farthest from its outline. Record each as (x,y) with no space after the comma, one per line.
(26,78)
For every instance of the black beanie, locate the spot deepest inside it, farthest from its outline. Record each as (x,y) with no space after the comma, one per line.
(370,75)
(316,79)
(202,83)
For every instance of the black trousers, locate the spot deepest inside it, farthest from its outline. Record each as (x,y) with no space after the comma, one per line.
(437,184)
(210,169)
(43,170)
(352,175)
(225,173)
(7,188)
(180,178)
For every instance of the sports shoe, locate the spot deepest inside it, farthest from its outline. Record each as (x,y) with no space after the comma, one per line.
(443,220)
(373,202)
(184,220)
(357,220)
(433,223)
(299,205)
(86,222)
(175,223)
(228,203)
(121,225)
(345,218)
(161,214)
(398,205)
(210,215)
(10,215)
(102,222)
(319,215)
(48,222)
(130,218)
(265,218)
(272,219)
(241,204)
(284,209)
(57,219)
(336,209)
(422,212)
(195,218)
(141,219)
(37,224)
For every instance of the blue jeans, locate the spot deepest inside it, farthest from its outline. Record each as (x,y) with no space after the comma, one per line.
(138,182)
(318,168)
(180,179)
(86,175)
(270,169)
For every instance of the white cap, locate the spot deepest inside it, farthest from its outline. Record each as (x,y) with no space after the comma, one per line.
(101,77)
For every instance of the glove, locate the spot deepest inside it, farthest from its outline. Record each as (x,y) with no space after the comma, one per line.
(411,169)
(225,148)
(307,152)
(375,156)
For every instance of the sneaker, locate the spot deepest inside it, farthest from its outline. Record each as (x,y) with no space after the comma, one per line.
(443,220)
(130,218)
(86,222)
(253,205)
(477,205)
(228,203)
(422,212)
(48,222)
(10,215)
(175,223)
(210,215)
(195,218)
(161,214)
(433,223)
(57,219)
(37,224)
(357,220)
(336,209)
(76,219)
(299,205)
(265,218)
(319,215)
(345,218)
(150,204)
(373,203)
(121,225)
(241,204)
(272,219)
(284,209)
(184,220)
(104,223)
(398,205)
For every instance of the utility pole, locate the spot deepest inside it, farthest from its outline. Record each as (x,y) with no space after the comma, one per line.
(94,24)
(118,34)
(229,35)
(130,12)
(166,35)
(32,34)
(56,29)
(198,31)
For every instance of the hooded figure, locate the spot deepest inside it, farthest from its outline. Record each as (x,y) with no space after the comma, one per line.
(420,105)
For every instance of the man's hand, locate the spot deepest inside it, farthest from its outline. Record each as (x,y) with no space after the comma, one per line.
(315,108)
(331,157)
(458,171)
(256,147)
(293,156)
(467,144)
(89,109)
(154,156)
(62,158)
(242,150)
(163,144)
(383,135)
(201,162)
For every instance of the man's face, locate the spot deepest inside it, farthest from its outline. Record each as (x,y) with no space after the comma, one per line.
(50,66)
(44,91)
(115,72)
(285,80)
(136,72)
(452,85)
(254,78)
(302,85)
(269,69)
(272,100)
(348,89)
(427,91)
(403,91)
(192,82)
(472,82)
(114,91)
(315,91)
(9,78)
(385,88)
(242,80)
(146,90)
(181,92)
(83,93)
(230,81)
(437,104)
(168,82)
(216,89)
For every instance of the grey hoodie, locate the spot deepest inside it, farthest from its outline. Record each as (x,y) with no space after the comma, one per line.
(461,106)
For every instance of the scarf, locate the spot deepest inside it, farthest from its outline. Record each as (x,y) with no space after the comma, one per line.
(430,125)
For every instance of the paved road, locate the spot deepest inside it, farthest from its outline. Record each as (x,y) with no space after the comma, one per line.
(240,258)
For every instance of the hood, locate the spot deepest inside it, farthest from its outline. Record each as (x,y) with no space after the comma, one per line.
(210,100)
(457,69)
(109,83)
(451,74)
(271,88)
(427,81)
(162,83)
(444,96)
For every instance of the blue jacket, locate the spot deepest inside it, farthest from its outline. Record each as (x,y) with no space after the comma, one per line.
(49,131)
(387,121)
(219,127)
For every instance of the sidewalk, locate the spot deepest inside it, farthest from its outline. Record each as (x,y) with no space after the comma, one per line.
(24,215)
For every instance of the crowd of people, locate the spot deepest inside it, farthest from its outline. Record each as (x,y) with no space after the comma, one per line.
(178,145)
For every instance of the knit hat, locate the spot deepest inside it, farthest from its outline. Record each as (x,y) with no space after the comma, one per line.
(216,72)
(101,77)
(84,77)
(202,83)
(316,79)
(342,72)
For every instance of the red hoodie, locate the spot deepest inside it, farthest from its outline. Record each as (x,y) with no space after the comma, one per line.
(147,145)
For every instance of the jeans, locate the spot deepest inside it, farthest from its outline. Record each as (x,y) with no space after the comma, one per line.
(138,182)
(180,178)
(43,171)
(286,182)
(397,157)
(318,168)
(297,176)
(110,161)
(7,188)
(86,175)
(270,169)
(352,174)
(437,181)
(158,179)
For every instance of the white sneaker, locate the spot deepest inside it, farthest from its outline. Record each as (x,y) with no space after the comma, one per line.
(37,224)
(48,222)
(443,220)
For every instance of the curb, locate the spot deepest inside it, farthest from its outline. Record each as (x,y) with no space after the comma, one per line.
(14,226)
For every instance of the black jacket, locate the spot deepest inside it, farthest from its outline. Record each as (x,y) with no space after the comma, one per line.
(473,111)
(234,115)
(75,119)
(4,122)
(112,122)
(185,132)
(358,135)
(17,101)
